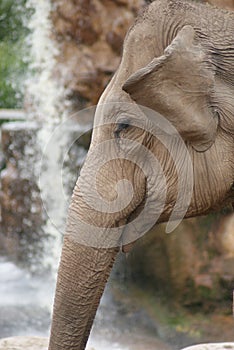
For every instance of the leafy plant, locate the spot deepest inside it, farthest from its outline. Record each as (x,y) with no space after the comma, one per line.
(13,15)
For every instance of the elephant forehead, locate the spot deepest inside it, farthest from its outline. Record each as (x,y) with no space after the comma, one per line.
(112,102)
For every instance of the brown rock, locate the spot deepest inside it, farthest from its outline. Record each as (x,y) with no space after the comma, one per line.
(169,262)
(185,264)
(115,41)
(90,35)
(224,236)
(203,280)
(225,4)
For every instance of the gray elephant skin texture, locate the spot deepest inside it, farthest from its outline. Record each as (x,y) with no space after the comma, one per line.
(161,150)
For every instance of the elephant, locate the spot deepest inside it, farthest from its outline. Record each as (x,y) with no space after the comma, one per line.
(167,111)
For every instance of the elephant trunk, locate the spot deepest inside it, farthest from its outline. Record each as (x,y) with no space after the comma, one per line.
(82,276)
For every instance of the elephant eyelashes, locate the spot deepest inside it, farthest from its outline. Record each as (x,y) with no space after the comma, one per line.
(120,127)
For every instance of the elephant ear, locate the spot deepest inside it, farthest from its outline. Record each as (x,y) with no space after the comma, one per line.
(179,86)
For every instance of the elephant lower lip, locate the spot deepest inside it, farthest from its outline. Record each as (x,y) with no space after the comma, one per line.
(129,238)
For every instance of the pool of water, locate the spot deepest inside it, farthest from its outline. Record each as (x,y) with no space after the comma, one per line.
(25,301)
(26,304)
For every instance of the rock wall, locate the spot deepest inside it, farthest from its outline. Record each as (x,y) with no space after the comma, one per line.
(90,34)
(194,265)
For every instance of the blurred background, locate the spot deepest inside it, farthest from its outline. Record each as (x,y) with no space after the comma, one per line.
(172,290)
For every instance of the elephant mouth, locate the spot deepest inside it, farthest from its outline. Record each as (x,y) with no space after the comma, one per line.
(129,237)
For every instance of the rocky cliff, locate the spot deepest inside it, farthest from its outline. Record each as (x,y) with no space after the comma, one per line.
(90,35)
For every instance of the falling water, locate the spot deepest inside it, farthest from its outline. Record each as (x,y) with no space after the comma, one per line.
(47,98)
(48,105)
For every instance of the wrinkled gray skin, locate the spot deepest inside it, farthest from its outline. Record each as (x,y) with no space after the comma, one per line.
(177,60)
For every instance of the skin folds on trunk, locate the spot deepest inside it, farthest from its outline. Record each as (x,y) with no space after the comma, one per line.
(83,273)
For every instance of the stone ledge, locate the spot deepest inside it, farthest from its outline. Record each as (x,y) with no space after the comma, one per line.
(24,343)
(12,114)
(211,346)
(38,343)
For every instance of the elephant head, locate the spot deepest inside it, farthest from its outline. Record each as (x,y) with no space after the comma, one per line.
(162,147)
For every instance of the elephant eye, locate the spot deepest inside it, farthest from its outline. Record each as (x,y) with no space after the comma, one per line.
(122,125)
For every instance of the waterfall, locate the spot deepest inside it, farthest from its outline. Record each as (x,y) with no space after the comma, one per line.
(46,102)
(41,151)
(46,96)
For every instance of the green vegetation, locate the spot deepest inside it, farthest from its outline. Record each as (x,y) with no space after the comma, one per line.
(13,14)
